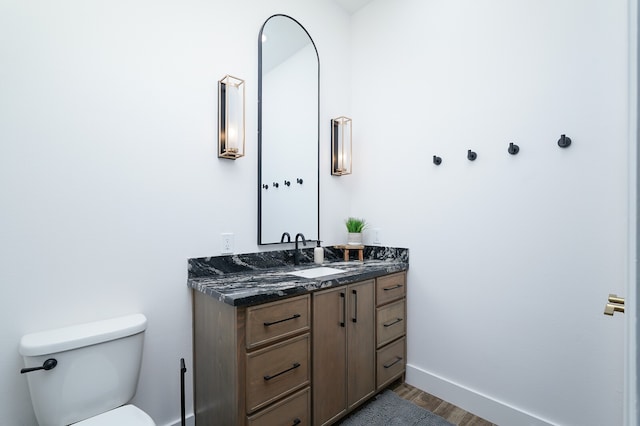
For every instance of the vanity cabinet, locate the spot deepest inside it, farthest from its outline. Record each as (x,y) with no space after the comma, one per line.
(391,329)
(252,365)
(344,350)
(308,359)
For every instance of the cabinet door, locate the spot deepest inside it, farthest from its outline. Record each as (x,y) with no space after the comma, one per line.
(329,355)
(361,349)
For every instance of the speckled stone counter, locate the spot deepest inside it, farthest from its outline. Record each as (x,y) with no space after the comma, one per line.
(252,278)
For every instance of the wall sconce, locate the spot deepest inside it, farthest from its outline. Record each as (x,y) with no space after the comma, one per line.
(340,146)
(230,118)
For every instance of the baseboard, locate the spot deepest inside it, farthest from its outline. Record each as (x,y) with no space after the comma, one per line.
(190,421)
(481,405)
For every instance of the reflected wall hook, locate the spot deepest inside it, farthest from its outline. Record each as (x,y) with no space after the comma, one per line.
(471,155)
(437,160)
(564,141)
(513,148)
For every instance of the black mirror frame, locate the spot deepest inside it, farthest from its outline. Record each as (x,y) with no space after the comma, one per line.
(260,184)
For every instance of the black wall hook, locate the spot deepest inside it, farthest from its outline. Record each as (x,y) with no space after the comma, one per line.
(299,180)
(513,148)
(471,155)
(265,186)
(564,141)
(276,184)
(287,182)
(437,160)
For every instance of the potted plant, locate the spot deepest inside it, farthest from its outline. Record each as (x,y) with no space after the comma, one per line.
(355,226)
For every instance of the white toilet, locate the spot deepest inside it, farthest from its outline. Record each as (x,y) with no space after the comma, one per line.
(94,374)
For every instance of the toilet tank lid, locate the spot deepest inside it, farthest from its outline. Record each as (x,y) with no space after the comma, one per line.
(77,336)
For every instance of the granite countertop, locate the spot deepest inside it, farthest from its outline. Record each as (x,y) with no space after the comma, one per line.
(249,279)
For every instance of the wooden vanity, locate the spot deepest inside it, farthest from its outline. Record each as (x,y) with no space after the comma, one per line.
(307,359)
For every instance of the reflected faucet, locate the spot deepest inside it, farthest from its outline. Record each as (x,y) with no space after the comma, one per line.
(296,254)
(285,234)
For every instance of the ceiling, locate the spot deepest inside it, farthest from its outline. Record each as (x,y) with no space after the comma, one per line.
(352,5)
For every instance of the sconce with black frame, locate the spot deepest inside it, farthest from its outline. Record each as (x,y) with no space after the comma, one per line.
(231,118)
(341,146)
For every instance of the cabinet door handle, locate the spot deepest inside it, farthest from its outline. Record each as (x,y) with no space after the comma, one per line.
(267,324)
(296,422)
(392,288)
(395,321)
(355,305)
(295,365)
(397,360)
(344,309)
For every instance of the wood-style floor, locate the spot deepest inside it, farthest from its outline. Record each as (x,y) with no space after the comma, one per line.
(447,411)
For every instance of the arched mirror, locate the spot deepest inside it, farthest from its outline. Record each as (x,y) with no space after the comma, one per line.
(288,142)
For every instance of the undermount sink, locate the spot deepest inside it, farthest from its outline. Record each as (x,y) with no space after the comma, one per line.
(320,271)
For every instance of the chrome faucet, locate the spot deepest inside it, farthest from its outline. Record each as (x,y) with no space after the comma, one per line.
(285,234)
(296,254)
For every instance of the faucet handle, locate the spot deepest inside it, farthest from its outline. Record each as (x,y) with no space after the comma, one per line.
(285,234)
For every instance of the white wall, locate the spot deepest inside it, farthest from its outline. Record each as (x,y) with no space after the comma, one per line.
(512,257)
(109,178)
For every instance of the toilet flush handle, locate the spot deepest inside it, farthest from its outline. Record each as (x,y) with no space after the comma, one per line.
(47,365)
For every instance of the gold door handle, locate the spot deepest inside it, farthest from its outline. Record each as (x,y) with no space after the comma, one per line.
(616,304)
(613,298)
(610,308)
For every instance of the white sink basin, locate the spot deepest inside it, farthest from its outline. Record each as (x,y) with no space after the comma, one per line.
(320,271)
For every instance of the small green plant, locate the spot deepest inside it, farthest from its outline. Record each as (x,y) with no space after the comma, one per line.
(355,225)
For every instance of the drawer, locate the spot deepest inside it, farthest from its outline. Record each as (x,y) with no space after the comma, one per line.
(293,410)
(391,322)
(277,370)
(390,288)
(272,321)
(390,362)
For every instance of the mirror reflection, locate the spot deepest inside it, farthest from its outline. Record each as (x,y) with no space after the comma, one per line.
(288,99)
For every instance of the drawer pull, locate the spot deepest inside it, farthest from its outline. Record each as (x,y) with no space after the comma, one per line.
(355,306)
(398,359)
(392,288)
(295,365)
(344,309)
(395,321)
(296,422)
(267,324)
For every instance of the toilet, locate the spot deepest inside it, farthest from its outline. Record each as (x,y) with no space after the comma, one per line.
(86,374)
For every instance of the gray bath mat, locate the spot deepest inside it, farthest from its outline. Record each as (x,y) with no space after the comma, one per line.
(388,409)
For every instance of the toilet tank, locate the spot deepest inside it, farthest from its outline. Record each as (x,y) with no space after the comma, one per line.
(97,370)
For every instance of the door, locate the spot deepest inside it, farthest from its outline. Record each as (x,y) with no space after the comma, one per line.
(329,355)
(361,342)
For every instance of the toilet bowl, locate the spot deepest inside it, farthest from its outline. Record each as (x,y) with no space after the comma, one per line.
(86,374)
(127,415)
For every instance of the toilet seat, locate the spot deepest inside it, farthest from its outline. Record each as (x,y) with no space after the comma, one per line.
(127,415)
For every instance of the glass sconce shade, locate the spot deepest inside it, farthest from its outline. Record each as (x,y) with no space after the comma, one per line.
(230,117)
(341,146)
